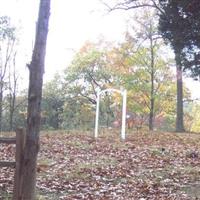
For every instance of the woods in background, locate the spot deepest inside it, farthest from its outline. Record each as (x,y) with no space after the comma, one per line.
(69,100)
(142,63)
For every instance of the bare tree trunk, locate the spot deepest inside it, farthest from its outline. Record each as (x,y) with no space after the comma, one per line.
(13,89)
(12,110)
(36,69)
(152,101)
(152,95)
(179,103)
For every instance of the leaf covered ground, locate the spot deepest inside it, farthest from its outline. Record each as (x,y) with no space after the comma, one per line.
(72,165)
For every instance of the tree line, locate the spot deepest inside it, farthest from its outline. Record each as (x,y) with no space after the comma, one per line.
(140,63)
(179,27)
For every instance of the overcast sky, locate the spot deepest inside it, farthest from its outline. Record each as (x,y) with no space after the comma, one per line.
(72,22)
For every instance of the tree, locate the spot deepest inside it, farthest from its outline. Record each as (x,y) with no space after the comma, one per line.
(177,19)
(13,83)
(148,33)
(78,113)
(172,27)
(191,34)
(36,69)
(87,72)
(156,5)
(7,42)
(180,26)
(53,103)
(134,69)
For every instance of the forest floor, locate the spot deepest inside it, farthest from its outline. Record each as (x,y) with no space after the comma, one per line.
(72,165)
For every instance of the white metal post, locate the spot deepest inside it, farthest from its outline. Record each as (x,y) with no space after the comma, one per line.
(124,115)
(97,114)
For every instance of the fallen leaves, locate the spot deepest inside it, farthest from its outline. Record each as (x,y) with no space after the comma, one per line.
(145,166)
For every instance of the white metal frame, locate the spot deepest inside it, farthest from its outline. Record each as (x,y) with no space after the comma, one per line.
(124,95)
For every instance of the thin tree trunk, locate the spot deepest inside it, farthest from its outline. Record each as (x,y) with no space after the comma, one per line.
(36,69)
(151,114)
(57,119)
(13,90)
(1,98)
(12,109)
(152,98)
(1,105)
(179,101)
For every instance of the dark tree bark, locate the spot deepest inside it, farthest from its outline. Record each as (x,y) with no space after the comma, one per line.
(36,69)
(179,101)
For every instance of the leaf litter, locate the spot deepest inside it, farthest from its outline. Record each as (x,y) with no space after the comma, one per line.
(145,166)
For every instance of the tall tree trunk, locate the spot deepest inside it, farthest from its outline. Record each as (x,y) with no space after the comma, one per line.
(179,101)
(36,69)
(152,98)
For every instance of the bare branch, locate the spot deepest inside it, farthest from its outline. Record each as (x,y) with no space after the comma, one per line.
(88,98)
(132,4)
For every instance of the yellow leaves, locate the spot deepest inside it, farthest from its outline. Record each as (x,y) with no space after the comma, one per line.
(120,62)
(195,127)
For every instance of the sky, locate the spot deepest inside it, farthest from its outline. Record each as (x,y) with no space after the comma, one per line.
(72,23)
